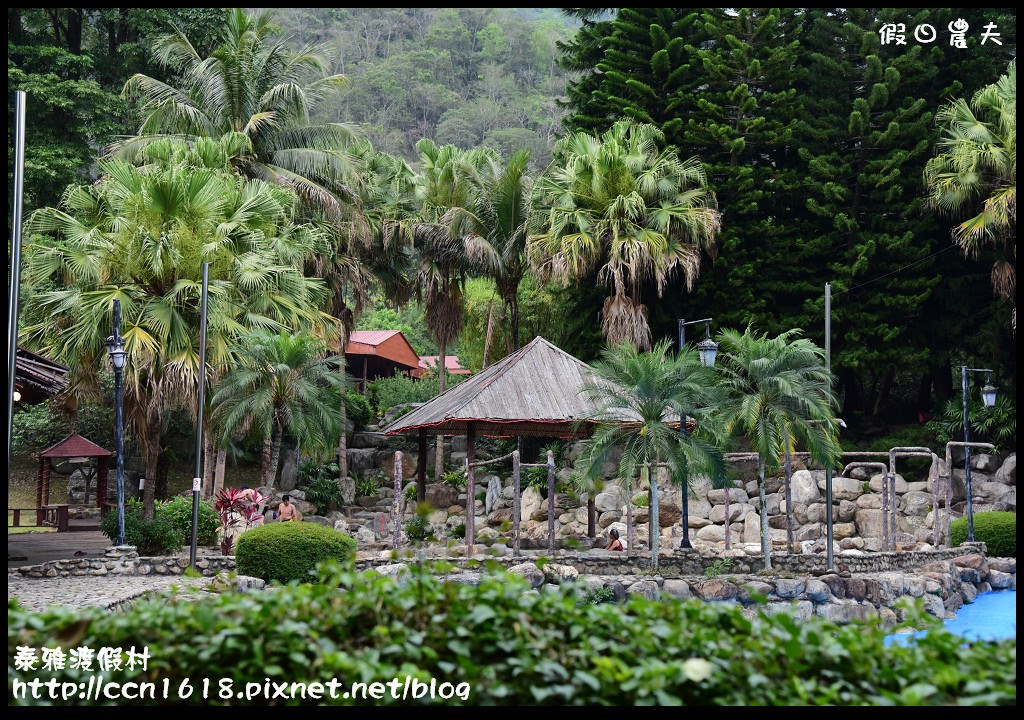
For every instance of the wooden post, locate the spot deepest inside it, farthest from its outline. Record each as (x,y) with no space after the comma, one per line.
(365,375)
(516,507)
(101,484)
(396,507)
(421,468)
(591,516)
(46,484)
(470,488)
(39,482)
(551,501)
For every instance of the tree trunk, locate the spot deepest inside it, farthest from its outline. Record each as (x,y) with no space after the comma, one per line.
(882,398)
(470,487)
(208,460)
(268,445)
(516,505)
(551,501)
(591,516)
(787,465)
(630,530)
(152,443)
(421,467)
(652,475)
(514,312)
(275,456)
(343,440)
(489,334)
(441,387)
(766,546)
(218,474)
(728,521)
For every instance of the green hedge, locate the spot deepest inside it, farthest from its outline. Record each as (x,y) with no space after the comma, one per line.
(516,647)
(285,551)
(168,531)
(179,511)
(998,530)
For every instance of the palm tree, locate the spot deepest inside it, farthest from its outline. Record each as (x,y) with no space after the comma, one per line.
(978,165)
(141,235)
(620,206)
(772,386)
(280,384)
(496,213)
(446,257)
(254,85)
(641,397)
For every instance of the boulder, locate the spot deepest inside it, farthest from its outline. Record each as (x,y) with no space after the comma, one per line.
(789,588)
(990,491)
(612,499)
(736,496)
(697,522)
(753,587)
(493,483)
(847,488)
(835,585)
(983,462)
(751,528)
(876,483)
(558,574)
(289,470)
(668,513)
(844,612)
(362,459)
(804,488)
(1000,580)
(869,523)
(816,513)
(916,503)
(1007,472)
(715,533)
(440,495)
(968,592)
(1006,565)
(811,531)
(676,588)
(364,536)
(736,511)
(870,501)
(799,609)
(530,502)
(529,572)
(716,589)
(843,531)
(608,518)
(646,588)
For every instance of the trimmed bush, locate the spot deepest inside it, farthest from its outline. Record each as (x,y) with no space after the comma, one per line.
(150,537)
(998,530)
(515,647)
(286,551)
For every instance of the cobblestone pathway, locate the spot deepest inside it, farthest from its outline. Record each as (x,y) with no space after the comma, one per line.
(89,591)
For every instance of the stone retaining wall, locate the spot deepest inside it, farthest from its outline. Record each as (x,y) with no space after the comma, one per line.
(125,560)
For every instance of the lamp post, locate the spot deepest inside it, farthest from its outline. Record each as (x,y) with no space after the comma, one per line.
(707,350)
(115,349)
(988,397)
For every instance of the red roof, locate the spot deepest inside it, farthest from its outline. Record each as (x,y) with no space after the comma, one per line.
(451,364)
(390,345)
(75,446)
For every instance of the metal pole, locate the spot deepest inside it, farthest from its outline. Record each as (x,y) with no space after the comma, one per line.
(197,479)
(967,458)
(15,276)
(119,423)
(829,554)
(685,544)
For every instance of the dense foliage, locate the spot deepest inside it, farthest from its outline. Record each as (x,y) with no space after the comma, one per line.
(386,393)
(516,647)
(150,536)
(998,530)
(178,511)
(286,551)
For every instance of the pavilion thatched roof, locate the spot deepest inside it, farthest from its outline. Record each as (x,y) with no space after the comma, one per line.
(537,390)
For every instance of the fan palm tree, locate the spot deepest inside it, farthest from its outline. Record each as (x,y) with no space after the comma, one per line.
(281,384)
(620,206)
(140,235)
(772,386)
(254,85)
(640,398)
(977,166)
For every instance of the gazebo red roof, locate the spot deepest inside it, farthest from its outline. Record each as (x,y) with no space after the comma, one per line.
(75,446)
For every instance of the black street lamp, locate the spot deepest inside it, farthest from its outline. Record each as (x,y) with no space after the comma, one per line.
(707,349)
(115,349)
(988,397)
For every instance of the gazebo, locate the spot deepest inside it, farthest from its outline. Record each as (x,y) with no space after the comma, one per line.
(536,391)
(74,448)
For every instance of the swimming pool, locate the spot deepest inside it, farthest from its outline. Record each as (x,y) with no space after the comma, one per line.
(992,616)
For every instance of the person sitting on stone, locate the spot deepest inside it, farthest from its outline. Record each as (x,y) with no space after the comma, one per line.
(286,511)
(614,543)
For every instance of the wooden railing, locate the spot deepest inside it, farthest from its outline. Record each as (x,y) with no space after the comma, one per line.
(55,516)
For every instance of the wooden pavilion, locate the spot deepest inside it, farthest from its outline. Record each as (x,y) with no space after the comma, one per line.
(536,391)
(73,448)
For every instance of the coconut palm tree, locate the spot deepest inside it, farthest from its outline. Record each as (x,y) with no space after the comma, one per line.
(976,172)
(141,235)
(280,384)
(254,85)
(635,214)
(496,213)
(641,396)
(772,386)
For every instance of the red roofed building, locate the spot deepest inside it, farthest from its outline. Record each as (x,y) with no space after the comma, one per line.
(451,364)
(372,354)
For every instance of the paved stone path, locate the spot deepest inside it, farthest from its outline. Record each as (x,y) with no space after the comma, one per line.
(38,548)
(89,591)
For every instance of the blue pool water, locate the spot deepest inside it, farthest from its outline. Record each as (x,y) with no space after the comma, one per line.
(992,616)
